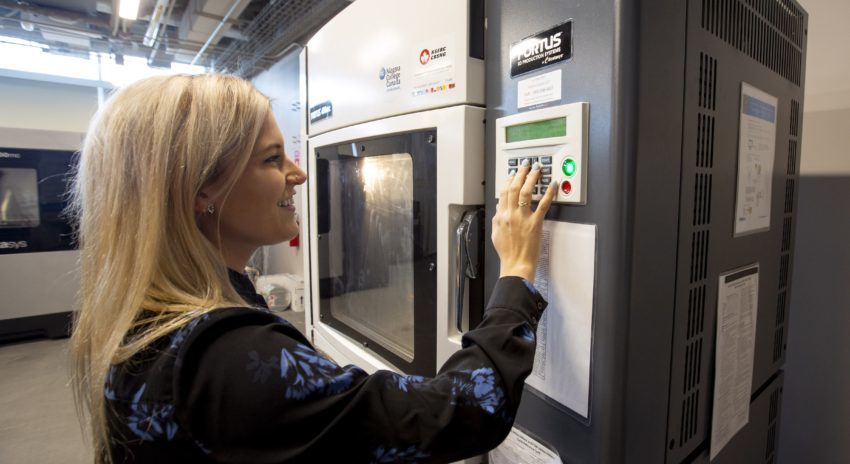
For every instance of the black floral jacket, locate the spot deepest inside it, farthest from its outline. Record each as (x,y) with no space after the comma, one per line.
(242,385)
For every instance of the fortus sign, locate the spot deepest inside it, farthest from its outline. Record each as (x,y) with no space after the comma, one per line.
(542,49)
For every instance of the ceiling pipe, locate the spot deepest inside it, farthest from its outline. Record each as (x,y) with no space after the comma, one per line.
(157,17)
(218,28)
(160,31)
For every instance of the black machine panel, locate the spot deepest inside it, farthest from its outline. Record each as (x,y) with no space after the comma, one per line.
(663,81)
(33,186)
(730,42)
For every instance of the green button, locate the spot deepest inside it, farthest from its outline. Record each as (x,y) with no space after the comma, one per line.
(569,167)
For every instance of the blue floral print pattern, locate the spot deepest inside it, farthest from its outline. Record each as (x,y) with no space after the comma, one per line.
(151,421)
(394,455)
(308,373)
(479,389)
(262,369)
(179,335)
(526,333)
(403,382)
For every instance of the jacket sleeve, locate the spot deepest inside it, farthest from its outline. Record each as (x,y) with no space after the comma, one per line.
(255,392)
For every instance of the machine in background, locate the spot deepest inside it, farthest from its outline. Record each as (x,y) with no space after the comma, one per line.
(38,259)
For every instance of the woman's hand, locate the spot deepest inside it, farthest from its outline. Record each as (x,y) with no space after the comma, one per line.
(516,229)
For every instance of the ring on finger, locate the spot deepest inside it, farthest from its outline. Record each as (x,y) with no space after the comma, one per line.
(523,203)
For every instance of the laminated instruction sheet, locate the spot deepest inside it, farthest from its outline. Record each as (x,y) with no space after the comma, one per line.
(737,309)
(565,276)
(756,153)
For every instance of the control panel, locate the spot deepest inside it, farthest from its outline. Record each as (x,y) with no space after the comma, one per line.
(555,137)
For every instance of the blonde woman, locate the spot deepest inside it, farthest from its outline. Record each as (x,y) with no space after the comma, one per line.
(177,359)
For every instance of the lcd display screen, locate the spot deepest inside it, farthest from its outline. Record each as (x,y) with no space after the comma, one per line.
(545,129)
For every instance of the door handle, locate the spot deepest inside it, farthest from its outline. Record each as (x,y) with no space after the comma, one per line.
(467,257)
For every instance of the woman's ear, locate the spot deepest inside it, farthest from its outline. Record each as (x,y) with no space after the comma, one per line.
(202,202)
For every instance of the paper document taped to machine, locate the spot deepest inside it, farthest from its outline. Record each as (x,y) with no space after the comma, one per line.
(565,276)
(520,448)
(737,312)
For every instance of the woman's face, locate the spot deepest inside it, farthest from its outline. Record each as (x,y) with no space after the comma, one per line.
(260,209)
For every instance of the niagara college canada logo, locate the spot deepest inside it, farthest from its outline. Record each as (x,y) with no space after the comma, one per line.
(424,57)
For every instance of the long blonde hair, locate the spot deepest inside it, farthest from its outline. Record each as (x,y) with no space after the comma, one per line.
(147,154)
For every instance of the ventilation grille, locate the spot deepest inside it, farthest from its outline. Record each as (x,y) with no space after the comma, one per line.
(699,255)
(795,118)
(691,358)
(705,141)
(779,344)
(769,31)
(786,234)
(707,79)
(702,199)
(789,195)
(773,415)
(792,157)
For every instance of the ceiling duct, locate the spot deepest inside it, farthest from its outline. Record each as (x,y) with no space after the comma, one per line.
(200,20)
(273,31)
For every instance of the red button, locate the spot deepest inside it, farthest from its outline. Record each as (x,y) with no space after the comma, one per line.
(566,187)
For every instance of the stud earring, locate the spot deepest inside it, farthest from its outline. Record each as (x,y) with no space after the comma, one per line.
(210,208)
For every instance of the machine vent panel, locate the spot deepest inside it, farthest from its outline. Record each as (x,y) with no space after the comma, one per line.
(689,356)
(696,312)
(778,341)
(795,118)
(783,270)
(792,157)
(690,416)
(707,82)
(773,416)
(780,330)
(780,308)
(769,31)
(699,255)
(789,196)
(702,199)
(705,141)
(786,234)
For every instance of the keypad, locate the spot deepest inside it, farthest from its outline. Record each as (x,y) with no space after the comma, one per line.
(545,171)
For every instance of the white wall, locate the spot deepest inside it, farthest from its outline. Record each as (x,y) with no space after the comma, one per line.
(826,142)
(280,83)
(27,104)
(815,409)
